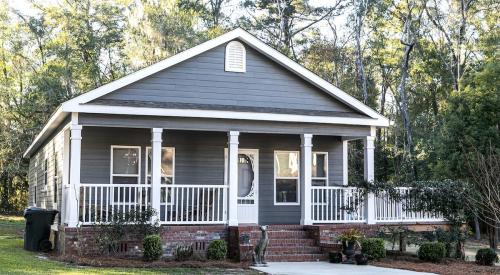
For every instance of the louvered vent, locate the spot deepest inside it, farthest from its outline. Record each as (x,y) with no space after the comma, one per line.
(235,57)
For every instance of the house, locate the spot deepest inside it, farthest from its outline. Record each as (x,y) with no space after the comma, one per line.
(217,139)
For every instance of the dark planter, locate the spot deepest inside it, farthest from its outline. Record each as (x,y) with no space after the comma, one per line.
(335,257)
(349,249)
(361,259)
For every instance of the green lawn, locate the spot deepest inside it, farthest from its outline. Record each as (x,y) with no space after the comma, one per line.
(15,260)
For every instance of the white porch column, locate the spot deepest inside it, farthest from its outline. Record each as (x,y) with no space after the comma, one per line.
(73,199)
(345,162)
(369,175)
(305,178)
(233,177)
(156,169)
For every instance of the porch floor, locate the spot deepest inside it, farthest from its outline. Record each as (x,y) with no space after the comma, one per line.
(324,268)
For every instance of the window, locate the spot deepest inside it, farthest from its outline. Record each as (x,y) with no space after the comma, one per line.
(56,177)
(235,57)
(319,169)
(167,165)
(286,177)
(45,173)
(167,170)
(125,164)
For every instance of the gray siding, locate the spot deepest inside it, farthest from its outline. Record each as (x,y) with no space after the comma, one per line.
(199,159)
(52,152)
(203,80)
(206,124)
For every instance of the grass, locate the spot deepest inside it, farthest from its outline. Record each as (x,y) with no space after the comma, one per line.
(15,260)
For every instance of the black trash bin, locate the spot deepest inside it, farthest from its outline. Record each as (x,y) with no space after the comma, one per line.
(37,233)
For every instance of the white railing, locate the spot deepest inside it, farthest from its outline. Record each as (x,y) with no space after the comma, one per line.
(337,204)
(100,203)
(388,209)
(193,204)
(179,204)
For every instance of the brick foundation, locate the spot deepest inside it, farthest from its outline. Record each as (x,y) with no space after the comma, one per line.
(287,242)
(82,241)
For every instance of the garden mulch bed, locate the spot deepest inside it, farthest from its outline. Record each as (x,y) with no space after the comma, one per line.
(101,261)
(446,267)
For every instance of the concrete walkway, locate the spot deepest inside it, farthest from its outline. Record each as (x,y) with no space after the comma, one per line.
(324,268)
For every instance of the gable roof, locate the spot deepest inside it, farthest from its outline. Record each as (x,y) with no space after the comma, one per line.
(83,102)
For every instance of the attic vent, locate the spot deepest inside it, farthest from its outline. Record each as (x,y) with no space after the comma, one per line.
(235,57)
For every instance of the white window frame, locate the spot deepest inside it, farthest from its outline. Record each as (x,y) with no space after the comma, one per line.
(276,177)
(326,168)
(163,175)
(138,175)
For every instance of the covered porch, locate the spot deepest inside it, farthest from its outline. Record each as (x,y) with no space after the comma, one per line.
(227,177)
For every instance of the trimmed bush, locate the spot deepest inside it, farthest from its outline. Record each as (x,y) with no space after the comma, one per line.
(217,250)
(183,252)
(486,256)
(152,248)
(432,252)
(375,247)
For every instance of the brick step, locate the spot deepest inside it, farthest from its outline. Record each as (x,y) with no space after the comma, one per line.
(282,234)
(291,242)
(296,257)
(293,250)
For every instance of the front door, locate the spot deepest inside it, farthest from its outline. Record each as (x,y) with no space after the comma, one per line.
(248,185)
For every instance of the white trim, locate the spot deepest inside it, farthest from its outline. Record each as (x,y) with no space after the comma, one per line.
(295,178)
(232,180)
(125,110)
(45,128)
(326,178)
(345,162)
(111,174)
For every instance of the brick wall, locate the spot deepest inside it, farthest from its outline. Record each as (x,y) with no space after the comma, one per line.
(82,241)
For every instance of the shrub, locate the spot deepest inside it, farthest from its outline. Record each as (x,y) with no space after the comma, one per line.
(375,247)
(486,256)
(217,250)
(335,257)
(183,252)
(431,252)
(152,248)
(361,259)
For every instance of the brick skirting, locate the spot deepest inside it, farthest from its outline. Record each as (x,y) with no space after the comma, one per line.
(82,241)
(308,242)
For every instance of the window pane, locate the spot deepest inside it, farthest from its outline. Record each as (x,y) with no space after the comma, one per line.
(126,161)
(287,164)
(167,156)
(245,175)
(319,165)
(286,190)
(124,180)
(318,182)
(167,163)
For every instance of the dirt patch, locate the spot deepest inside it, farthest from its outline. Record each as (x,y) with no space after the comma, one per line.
(447,267)
(135,262)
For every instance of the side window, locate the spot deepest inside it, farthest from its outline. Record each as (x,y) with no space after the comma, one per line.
(125,164)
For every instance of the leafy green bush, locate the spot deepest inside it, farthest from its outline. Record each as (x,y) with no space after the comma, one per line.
(431,252)
(374,247)
(486,256)
(183,252)
(152,248)
(217,250)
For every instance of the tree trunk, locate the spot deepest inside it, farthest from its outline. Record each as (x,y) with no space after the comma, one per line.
(403,105)
(359,55)
(492,237)
(477,229)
